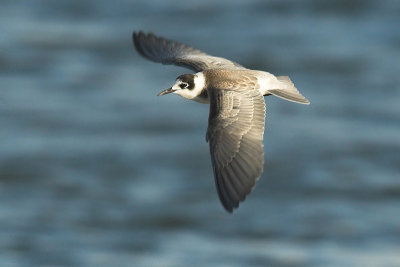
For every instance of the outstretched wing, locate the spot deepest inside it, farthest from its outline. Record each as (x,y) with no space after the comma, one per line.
(159,49)
(235,134)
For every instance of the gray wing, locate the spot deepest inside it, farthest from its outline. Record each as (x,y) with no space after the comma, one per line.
(235,135)
(159,49)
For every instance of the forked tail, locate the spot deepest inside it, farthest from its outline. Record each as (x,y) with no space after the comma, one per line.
(288,91)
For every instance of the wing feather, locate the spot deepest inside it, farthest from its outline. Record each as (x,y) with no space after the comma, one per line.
(235,133)
(161,50)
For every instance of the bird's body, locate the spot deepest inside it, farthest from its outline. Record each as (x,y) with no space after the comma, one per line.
(237,109)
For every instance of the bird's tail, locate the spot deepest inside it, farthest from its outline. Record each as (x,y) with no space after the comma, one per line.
(288,91)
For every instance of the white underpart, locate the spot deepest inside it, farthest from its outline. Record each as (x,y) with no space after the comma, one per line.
(199,83)
(268,81)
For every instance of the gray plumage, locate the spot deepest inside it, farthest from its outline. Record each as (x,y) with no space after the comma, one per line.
(237,110)
(169,52)
(235,133)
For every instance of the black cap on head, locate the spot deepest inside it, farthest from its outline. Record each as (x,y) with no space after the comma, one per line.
(187,78)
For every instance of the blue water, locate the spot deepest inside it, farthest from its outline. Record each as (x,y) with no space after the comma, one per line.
(95,170)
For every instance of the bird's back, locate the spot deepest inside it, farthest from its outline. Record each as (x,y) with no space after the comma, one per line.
(231,79)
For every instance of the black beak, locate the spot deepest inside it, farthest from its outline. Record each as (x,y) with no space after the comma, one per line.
(167,91)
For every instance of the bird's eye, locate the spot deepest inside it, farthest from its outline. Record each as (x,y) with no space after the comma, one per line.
(183,85)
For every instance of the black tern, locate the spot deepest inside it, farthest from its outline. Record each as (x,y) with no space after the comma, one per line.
(237,109)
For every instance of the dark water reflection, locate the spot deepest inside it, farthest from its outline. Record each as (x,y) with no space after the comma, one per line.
(95,170)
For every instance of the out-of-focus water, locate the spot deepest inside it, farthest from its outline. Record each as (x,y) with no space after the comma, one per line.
(95,170)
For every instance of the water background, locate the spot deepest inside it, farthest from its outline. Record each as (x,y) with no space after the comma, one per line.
(95,170)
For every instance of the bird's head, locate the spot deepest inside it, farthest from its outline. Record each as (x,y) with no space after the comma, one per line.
(187,85)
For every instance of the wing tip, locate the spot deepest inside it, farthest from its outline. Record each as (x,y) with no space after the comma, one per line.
(136,37)
(229,201)
(228,208)
(141,40)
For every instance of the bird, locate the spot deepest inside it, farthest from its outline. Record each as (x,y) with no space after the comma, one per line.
(237,109)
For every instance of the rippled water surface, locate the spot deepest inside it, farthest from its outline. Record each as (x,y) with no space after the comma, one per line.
(95,170)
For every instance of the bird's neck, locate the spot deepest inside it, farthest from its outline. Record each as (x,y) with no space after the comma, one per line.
(202,97)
